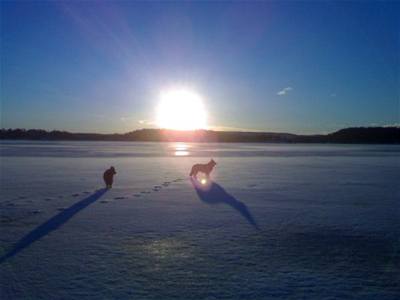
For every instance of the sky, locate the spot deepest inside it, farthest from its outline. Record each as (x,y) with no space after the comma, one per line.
(299,67)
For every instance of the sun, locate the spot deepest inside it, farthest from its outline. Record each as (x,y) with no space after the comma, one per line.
(181,109)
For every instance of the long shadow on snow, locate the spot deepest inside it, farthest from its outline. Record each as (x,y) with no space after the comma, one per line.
(215,194)
(52,224)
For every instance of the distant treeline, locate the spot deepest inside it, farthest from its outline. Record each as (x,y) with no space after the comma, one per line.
(359,135)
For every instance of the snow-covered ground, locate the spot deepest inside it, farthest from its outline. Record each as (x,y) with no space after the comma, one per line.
(278,222)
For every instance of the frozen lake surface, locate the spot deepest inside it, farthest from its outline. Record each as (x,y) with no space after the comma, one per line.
(277,222)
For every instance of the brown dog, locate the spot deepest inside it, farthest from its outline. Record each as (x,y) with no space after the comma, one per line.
(203,168)
(108,177)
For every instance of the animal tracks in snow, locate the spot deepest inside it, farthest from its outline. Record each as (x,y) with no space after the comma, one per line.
(140,194)
(154,189)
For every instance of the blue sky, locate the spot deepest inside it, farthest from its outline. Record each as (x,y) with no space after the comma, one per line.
(301,67)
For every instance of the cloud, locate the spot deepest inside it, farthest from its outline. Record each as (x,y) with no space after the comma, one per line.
(131,121)
(392,125)
(284,91)
(383,125)
(146,122)
(229,128)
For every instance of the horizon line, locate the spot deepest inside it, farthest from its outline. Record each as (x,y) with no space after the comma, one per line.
(202,129)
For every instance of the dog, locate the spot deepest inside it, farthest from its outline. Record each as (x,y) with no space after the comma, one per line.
(108,177)
(203,168)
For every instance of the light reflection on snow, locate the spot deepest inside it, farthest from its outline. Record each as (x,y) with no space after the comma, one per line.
(181,149)
(181,153)
(165,252)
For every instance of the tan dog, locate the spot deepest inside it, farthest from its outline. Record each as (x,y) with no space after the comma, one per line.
(203,168)
(108,177)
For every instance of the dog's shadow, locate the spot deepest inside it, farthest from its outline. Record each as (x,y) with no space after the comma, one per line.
(52,224)
(213,194)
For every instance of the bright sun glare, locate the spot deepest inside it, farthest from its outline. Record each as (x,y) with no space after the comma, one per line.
(181,109)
